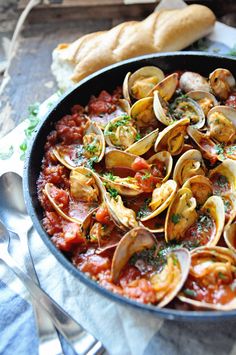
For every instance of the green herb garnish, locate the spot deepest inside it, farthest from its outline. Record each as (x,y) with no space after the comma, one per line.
(113,192)
(190,293)
(109,176)
(175,218)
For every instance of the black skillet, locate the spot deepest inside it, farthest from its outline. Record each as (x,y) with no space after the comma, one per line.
(108,78)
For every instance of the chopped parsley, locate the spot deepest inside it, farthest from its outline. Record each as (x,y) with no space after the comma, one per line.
(144,210)
(122,122)
(90,162)
(219,149)
(190,293)
(33,119)
(91,147)
(138,137)
(222,276)
(113,192)
(146,176)
(109,176)
(175,218)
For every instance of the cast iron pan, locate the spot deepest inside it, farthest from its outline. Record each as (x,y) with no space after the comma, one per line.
(108,79)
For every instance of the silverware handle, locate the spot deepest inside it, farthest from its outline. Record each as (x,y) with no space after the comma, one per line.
(49,342)
(81,340)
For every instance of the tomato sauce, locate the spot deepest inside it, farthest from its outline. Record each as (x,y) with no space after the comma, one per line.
(201,232)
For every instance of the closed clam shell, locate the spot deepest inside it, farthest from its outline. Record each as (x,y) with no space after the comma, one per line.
(160,109)
(171,279)
(230,236)
(143,80)
(208,264)
(144,144)
(223,177)
(161,198)
(204,98)
(181,215)
(142,113)
(134,241)
(163,157)
(201,188)
(167,87)
(221,121)
(193,81)
(92,147)
(222,82)
(172,137)
(189,164)
(120,132)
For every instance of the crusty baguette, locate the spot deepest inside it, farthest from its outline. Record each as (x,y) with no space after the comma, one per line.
(166,30)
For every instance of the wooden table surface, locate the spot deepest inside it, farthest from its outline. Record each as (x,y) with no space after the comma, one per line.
(30,76)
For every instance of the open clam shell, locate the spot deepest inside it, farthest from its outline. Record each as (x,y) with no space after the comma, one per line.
(193,81)
(205,99)
(222,82)
(167,87)
(181,215)
(123,217)
(161,198)
(125,87)
(209,149)
(92,147)
(143,114)
(213,266)
(160,108)
(185,107)
(171,279)
(221,121)
(132,242)
(142,81)
(230,236)
(223,177)
(144,144)
(229,200)
(172,137)
(119,158)
(165,158)
(121,132)
(201,188)
(154,225)
(189,164)
(124,186)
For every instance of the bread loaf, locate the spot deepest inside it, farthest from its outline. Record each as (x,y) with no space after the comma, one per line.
(166,30)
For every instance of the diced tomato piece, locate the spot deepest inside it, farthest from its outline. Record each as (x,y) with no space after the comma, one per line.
(139,164)
(73,233)
(146,181)
(102,215)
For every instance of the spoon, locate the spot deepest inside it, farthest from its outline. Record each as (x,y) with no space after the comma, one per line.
(87,344)
(14,215)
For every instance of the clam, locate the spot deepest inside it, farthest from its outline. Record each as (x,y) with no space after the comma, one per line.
(160,108)
(185,107)
(85,185)
(229,200)
(92,147)
(132,242)
(230,236)
(125,87)
(121,132)
(164,159)
(142,113)
(209,149)
(67,207)
(189,164)
(205,99)
(144,144)
(222,82)
(142,81)
(154,225)
(123,217)
(167,87)
(161,198)
(126,186)
(201,188)
(169,281)
(193,81)
(223,177)
(119,158)
(214,267)
(172,137)
(181,215)
(221,121)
